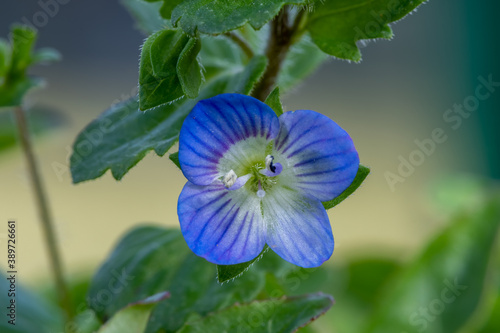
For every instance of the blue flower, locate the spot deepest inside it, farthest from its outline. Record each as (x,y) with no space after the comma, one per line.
(254,178)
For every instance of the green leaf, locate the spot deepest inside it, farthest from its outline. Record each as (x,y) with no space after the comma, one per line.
(168,7)
(121,136)
(146,15)
(216,17)
(440,290)
(33,314)
(4,58)
(134,317)
(188,68)
(230,272)
(158,80)
(46,55)
(336,25)
(175,159)
(283,315)
(151,259)
(14,83)
(274,101)
(23,39)
(358,180)
(12,92)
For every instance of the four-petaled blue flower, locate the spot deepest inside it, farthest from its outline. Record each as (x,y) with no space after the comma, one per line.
(254,178)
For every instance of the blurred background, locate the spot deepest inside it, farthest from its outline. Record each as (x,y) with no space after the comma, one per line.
(399,93)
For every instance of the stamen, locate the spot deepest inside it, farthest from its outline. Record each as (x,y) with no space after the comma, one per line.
(269,163)
(272,169)
(261,193)
(229,179)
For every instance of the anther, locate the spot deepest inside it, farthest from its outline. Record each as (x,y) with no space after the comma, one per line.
(229,179)
(269,163)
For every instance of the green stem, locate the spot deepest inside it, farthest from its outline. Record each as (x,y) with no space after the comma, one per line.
(282,36)
(43,209)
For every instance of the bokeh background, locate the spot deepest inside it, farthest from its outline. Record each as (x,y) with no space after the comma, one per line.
(396,95)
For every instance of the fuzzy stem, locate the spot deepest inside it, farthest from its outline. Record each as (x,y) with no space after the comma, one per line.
(43,209)
(281,38)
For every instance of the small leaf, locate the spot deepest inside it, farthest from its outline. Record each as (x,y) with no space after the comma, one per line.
(448,278)
(188,68)
(336,25)
(283,315)
(158,80)
(229,272)
(14,62)
(46,55)
(274,101)
(134,317)
(174,157)
(146,15)
(217,17)
(358,180)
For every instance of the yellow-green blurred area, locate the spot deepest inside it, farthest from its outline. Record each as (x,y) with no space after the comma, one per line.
(392,104)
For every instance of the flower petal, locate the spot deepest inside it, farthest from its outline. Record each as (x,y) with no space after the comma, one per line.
(224,133)
(298,229)
(225,227)
(318,156)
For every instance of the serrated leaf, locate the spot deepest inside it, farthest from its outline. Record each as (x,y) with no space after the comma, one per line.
(146,15)
(358,180)
(121,136)
(274,101)
(134,317)
(336,25)
(151,259)
(216,17)
(271,316)
(439,291)
(158,80)
(189,69)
